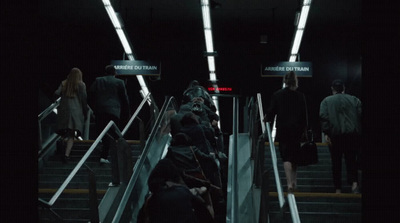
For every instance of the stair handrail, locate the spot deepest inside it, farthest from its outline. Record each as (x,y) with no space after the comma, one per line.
(275,166)
(266,127)
(291,198)
(233,215)
(110,125)
(47,111)
(142,159)
(135,114)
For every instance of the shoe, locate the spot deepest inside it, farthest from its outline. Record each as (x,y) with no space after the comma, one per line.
(356,190)
(102,160)
(65,159)
(113,184)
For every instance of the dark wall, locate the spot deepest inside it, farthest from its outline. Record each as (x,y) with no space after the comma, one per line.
(335,53)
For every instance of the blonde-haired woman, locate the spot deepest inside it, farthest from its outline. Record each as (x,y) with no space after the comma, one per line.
(72,109)
(289,107)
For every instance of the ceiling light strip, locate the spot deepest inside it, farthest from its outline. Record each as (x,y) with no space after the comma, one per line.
(205,8)
(298,35)
(125,43)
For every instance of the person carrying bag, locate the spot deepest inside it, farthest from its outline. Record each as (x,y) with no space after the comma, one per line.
(307,154)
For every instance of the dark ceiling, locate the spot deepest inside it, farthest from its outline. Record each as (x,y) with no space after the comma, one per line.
(79,33)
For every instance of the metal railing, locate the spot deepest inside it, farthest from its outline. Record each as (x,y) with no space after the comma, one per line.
(110,126)
(291,198)
(232,214)
(54,137)
(136,190)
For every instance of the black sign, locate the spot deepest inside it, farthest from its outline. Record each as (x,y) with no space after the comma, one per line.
(301,69)
(137,67)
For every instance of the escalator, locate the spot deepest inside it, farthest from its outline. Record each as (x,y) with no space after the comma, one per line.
(88,198)
(78,191)
(73,204)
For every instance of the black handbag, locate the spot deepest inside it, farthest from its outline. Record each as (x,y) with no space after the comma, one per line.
(307,154)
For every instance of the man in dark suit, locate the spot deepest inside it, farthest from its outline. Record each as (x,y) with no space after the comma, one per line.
(109,99)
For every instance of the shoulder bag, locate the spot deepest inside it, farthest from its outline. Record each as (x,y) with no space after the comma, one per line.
(307,154)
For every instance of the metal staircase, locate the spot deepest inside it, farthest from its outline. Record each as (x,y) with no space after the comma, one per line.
(315,199)
(79,191)
(73,204)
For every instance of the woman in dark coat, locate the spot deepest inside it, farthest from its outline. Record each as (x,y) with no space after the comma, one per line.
(289,106)
(72,109)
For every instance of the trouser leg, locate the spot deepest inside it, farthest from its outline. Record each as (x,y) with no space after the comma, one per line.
(102,120)
(336,159)
(350,155)
(108,142)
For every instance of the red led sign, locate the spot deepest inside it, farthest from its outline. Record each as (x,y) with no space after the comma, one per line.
(220,89)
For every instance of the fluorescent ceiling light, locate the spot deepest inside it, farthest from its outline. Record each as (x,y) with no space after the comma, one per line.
(142,84)
(213,77)
(209,46)
(292,58)
(111,14)
(297,41)
(130,56)
(299,30)
(303,17)
(125,43)
(209,40)
(211,63)
(206,16)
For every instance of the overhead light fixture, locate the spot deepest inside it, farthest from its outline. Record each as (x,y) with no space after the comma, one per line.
(300,26)
(303,16)
(205,8)
(116,21)
(211,67)
(209,40)
(296,42)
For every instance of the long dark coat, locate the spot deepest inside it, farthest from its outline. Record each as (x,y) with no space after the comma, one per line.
(71,111)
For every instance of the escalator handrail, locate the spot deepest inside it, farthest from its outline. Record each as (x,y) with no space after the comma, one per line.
(49,109)
(234,211)
(128,125)
(140,162)
(110,125)
(291,198)
(46,112)
(266,127)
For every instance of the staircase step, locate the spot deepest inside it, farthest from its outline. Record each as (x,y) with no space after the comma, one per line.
(73,203)
(69,213)
(323,207)
(47,193)
(317,217)
(319,207)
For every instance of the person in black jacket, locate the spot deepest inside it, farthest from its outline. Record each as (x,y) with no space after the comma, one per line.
(109,97)
(189,159)
(289,106)
(171,201)
(196,90)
